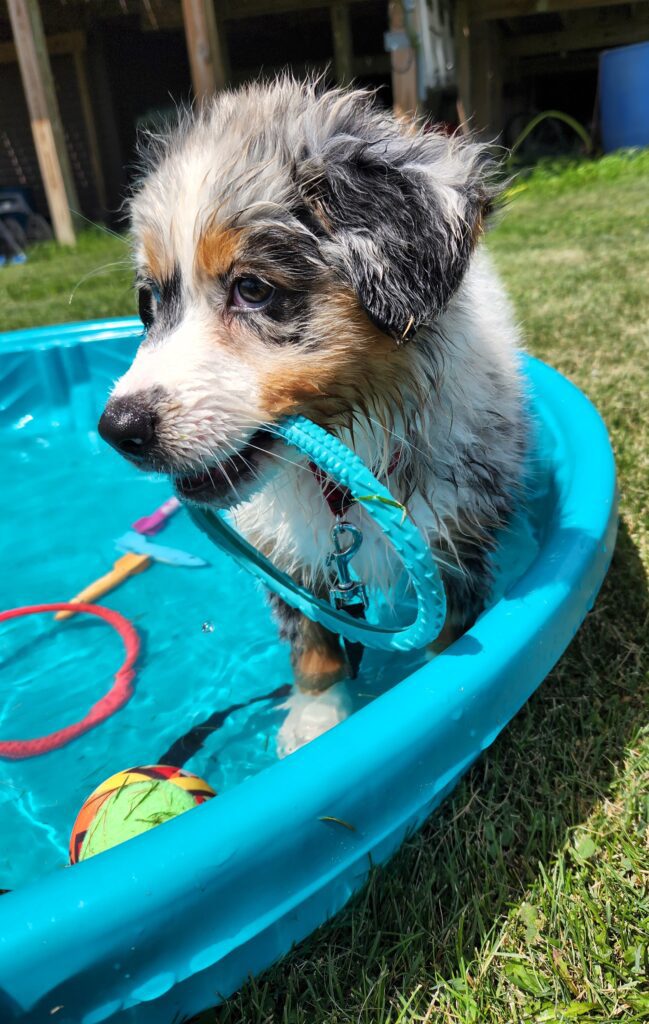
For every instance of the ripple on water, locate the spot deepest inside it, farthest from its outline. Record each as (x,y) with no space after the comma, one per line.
(208,643)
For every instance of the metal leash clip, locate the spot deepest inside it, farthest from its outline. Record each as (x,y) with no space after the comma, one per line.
(347,591)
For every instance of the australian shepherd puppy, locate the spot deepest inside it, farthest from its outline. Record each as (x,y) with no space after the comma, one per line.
(305,251)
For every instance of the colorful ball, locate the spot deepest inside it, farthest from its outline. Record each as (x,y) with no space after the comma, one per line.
(132,802)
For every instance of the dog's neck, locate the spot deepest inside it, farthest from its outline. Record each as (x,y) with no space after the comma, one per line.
(290,519)
(456,423)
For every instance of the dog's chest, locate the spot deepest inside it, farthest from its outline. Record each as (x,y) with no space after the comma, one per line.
(291,522)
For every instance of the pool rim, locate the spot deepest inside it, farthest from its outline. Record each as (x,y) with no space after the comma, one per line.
(188,910)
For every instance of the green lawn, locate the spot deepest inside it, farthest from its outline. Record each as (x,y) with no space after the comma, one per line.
(526,898)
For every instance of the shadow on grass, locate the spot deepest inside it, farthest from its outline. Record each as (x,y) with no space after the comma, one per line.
(439,898)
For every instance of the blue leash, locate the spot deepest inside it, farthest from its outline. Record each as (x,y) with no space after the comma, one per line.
(345,468)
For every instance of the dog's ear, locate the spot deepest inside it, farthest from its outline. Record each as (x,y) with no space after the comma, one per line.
(401,214)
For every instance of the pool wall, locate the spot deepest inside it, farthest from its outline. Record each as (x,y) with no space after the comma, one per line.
(175,920)
(58,377)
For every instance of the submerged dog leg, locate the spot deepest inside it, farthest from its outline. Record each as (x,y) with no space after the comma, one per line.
(320,699)
(317,655)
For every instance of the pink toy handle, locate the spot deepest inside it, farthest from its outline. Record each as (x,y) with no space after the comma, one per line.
(152,524)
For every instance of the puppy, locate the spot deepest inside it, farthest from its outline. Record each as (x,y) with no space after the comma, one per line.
(305,251)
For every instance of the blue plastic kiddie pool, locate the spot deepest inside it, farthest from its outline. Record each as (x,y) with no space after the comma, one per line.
(171,922)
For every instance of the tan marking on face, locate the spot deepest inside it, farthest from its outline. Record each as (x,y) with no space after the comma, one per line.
(351,361)
(154,256)
(217,250)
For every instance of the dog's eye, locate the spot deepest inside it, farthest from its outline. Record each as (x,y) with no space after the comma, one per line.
(251,293)
(146,304)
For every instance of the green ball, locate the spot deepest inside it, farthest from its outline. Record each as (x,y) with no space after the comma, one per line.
(133,810)
(132,802)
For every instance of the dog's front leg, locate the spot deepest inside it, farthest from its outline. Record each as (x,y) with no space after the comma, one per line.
(321,699)
(317,656)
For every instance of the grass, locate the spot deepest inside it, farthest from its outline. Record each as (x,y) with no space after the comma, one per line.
(526,898)
(92,280)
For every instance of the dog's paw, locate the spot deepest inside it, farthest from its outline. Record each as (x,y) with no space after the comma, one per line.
(310,715)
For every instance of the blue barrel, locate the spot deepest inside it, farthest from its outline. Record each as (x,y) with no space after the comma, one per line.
(624,96)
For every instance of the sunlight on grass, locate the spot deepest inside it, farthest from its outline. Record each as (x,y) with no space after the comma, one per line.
(92,280)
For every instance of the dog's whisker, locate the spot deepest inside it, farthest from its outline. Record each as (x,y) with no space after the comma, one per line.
(270,452)
(399,437)
(207,470)
(230,458)
(100,227)
(254,472)
(93,273)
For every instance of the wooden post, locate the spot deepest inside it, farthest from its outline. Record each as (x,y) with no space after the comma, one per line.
(479,73)
(404,66)
(89,121)
(341,31)
(486,80)
(462,33)
(205,47)
(47,130)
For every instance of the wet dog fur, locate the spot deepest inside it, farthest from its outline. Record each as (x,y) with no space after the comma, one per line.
(300,250)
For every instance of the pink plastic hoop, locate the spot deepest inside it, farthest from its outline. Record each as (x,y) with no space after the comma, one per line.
(120,692)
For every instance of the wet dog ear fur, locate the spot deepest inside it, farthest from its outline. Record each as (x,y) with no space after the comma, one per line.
(401,215)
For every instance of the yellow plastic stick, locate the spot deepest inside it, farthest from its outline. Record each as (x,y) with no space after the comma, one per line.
(127,565)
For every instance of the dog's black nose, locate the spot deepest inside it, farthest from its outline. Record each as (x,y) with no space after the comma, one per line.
(128,424)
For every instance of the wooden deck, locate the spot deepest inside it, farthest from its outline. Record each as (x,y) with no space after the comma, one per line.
(500,45)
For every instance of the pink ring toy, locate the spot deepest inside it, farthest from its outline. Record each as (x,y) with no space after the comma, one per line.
(120,692)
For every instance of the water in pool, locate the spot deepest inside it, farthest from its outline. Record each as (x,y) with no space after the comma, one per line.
(208,643)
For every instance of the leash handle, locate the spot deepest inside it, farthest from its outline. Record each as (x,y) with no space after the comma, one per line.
(345,468)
